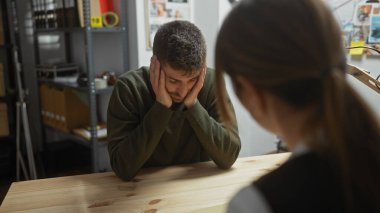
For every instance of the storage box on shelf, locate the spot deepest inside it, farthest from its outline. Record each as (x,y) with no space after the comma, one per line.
(2,40)
(4,126)
(63,108)
(2,82)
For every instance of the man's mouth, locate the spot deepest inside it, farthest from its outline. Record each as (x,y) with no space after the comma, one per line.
(176,99)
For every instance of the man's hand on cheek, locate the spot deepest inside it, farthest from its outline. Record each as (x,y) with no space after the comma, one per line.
(157,79)
(191,98)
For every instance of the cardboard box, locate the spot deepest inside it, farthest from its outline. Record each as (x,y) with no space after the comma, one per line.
(4,125)
(1,30)
(63,108)
(2,82)
(1,38)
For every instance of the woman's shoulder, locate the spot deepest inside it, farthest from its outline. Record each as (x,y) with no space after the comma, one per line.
(247,200)
(303,181)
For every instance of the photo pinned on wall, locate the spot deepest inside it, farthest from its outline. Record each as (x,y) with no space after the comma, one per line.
(374,33)
(360,33)
(347,29)
(159,12)
(362,14)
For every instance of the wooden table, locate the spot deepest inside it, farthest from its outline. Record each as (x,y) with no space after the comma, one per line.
(184,188)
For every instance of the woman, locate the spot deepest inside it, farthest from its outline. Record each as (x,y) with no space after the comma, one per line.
(287,65)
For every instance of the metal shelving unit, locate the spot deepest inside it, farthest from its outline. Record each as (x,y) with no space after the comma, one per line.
(88,32)
(78,29)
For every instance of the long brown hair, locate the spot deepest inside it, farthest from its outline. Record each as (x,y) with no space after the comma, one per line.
(293,49)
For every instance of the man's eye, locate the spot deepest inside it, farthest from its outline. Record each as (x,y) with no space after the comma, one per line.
(172,81)
(194,79)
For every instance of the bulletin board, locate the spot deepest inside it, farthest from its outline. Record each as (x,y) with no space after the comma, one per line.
(362,26)
(159,12)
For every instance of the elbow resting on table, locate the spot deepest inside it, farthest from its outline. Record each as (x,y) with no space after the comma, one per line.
(123,175)
(126,177)
(226,164)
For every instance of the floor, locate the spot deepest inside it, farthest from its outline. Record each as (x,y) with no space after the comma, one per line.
(56,163)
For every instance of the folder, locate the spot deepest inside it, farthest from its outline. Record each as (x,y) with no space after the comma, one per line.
(60,13)
(80,12)
(71,13)
(2,82)
(96,14)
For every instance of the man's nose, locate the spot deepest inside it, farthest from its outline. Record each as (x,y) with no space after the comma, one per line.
(182,90)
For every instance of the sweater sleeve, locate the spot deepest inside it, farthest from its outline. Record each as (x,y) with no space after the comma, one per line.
(222,144)
(132,140)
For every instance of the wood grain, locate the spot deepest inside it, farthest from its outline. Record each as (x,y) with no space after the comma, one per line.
(184,188)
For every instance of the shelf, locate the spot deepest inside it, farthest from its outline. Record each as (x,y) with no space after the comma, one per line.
(78,29)
(5,46)
(6,137)
(108,29)
(109,89)
(77,139)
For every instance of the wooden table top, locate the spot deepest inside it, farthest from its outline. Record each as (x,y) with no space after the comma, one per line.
(183,188)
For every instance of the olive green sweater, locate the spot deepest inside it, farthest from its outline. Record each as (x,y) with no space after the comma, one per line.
(144,133)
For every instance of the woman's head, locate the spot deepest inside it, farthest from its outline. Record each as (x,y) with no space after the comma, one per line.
(292,50)
(284,47)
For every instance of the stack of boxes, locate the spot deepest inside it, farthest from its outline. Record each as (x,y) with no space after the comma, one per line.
(63,108)
(4,126)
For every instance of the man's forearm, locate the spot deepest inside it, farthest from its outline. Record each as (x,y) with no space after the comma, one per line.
(222,144)
(130,148)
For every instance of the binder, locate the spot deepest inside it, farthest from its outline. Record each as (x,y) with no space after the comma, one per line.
(96,14)
(60,13)
(47,101)
(106,6)
(37,13)
(59,109)
(50,13)
(80,12)
(2,82)
(44,93)
(4,126)
(1,31)
(71,12)
(43,12)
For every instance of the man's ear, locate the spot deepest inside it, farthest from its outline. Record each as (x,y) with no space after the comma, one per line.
(251,97)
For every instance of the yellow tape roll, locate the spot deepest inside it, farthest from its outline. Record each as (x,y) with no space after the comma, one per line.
(110,19)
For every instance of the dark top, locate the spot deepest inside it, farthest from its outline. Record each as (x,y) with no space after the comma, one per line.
(144,133)
(305,183)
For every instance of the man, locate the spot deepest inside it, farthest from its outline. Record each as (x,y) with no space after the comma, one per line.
(166,114)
